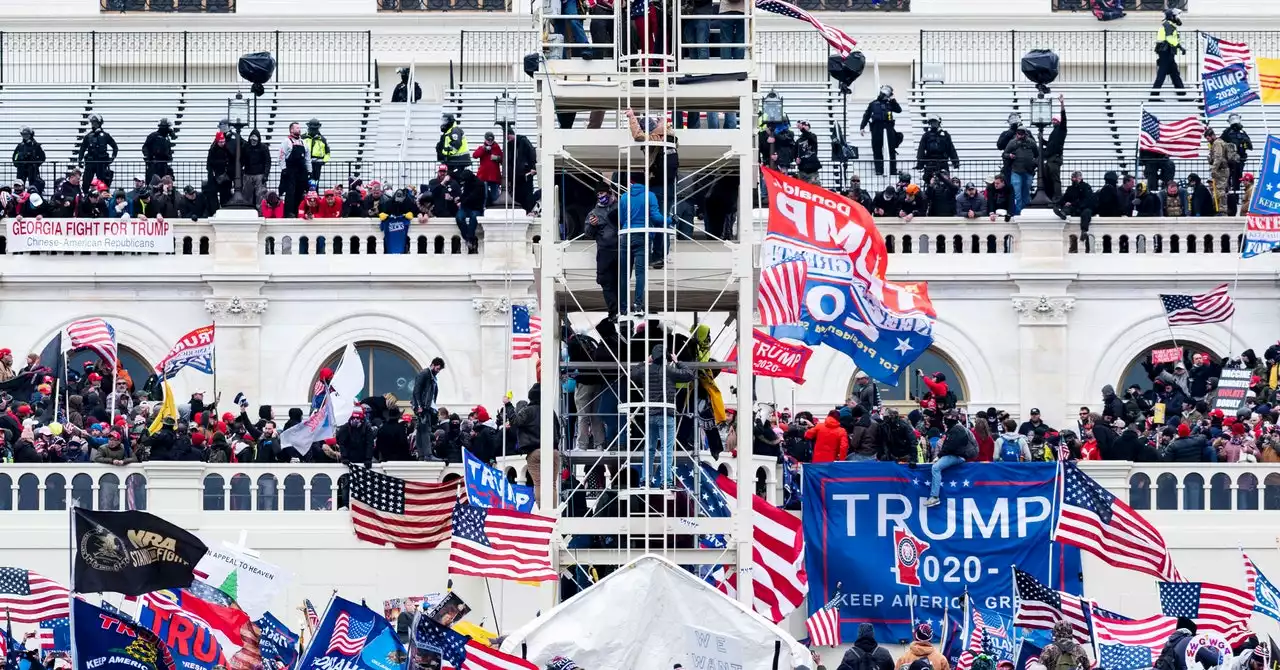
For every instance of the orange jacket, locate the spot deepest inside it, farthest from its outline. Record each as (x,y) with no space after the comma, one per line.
(830,442)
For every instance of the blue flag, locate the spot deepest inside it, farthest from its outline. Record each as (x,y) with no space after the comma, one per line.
(1027,650)
(1266,599)
(55,634)
(1227,89)
(104,641)
(277,641)
(488,487)
(1266,195)
(998,626)
(112,609)
(992,515)
(345,633)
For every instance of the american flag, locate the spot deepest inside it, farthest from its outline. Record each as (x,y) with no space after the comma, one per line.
(97,335)
(460,652)
(409,515)
(349,635)
(29,597)
(777,557)
(1221,53)
(781,293)
(55,634)
(1130,644)
(824,625)
(977,631)
(309,611)
(501,543)
(1179,139)
(526,333)
(1091,518)
(1215,608)
(1191,310)
(838,39)
(1039,606)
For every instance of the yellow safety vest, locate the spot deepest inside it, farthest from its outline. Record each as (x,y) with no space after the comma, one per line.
(449,151)
(317,148)
(1171,37)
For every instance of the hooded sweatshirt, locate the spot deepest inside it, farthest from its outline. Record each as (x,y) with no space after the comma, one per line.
(830,441)
(865,646)
(925,650)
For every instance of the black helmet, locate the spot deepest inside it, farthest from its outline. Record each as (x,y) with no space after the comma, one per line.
(313,123)
(164,122)
(95,120)
(25,131)
(400,194)
(1171,15)
(144,192)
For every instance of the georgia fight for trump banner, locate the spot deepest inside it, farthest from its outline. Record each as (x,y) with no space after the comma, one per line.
(992,516)
(845,303)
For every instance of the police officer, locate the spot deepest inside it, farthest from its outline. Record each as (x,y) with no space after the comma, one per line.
(97,151)
(1235,134)
(451,149)
(28,156)
(157,150)
(1015,120)
(935,149)
(880,114)
(401,92)
(1168,41)
(317,148)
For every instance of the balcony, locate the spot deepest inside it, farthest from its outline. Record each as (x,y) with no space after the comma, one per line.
(855,5)
(444,5)
(1129,5)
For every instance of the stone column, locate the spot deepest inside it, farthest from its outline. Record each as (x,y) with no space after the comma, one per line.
(238,324)
(495,353)
(1042,354)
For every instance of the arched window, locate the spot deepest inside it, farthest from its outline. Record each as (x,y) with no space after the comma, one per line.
(1134,373)
(133,363)
(387,369)
(931,361)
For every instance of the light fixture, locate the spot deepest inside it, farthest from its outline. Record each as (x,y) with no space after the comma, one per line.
(238,111)
(504,110)
(771,107)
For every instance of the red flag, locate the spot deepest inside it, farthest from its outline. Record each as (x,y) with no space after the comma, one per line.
(775,358)
(906,553)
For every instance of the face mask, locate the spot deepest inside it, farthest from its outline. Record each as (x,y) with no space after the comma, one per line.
(354,421)
(602,200)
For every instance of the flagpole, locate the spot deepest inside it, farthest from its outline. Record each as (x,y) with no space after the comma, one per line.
(312,641)
(66,392)
(497,625)
(911,604)
(71,565)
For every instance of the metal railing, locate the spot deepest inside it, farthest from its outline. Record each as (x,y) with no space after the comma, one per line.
(197,57)
(335,174)
(494,56)
(1129,5)
(1111,56)
(185,6)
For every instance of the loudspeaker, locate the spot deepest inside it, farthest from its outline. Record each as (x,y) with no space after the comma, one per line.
(846,70)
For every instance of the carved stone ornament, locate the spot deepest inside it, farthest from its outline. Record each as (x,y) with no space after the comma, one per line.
(235,308)
(489,307)
(1044,308)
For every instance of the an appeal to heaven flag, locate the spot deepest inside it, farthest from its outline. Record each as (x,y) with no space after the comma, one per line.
(132,553)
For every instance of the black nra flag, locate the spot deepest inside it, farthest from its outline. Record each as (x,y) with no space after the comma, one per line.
(132,553)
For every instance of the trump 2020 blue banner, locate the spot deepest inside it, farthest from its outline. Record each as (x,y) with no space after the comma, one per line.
(277,641)
(992,516)
(1227,89)
(1266,195)
(104,641)
(488,487)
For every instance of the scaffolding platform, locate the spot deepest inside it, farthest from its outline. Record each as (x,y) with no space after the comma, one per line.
(697,147)
(641,89)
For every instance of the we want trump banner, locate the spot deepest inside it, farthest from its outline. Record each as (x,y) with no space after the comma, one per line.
(840,297)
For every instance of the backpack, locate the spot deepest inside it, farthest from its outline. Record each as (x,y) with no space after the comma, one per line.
(947,401)
(1232,151)
(1009,451)
(1065,662)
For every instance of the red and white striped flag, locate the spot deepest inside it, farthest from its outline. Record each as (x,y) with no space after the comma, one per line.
(389,510)
(348,636)
(526,333)
(30,597)
(1112,629)
(1180,139)
(824,625)
(1194,310)
(501,543)
(974,649)
(777,558)
(781,292)
(97,335)
(1215,608)
(1221,53)
(1250,573)
(1041,607)
(838,39)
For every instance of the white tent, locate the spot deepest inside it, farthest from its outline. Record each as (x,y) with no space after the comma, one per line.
(652,614)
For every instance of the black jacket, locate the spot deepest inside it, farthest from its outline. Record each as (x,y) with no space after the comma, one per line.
(1115,201)
(1200,200)
(158,147)
(486,444)
(87,209)
(889,203)
(1000,198)
(1080,195)
(937,146)
(527,422)
(1124,448)
(1053,146)
(1189,449)
(29,153)
(425,389)
(219,160)
(473,191)
(97,146)
(524,158)
(256,158)
(866,653)
(880,111)
(807,152)
(192,208)
(356,443)
(393,443)
(955,442)
(942,198)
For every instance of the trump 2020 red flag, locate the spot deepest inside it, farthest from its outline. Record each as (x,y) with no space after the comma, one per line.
(775,358)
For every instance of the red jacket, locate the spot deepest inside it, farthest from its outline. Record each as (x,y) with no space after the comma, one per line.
(489,170)
(327,211)
(269,212)
(830,442)
(939,389)
(309,209)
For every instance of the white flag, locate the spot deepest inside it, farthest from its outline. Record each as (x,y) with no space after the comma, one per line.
(244,576)
(347,383)
(318,427)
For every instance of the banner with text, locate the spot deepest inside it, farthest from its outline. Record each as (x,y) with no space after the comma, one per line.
(1233,388)
(1170,355)
(1226,89)
(1266,195)
(1261,235)
(142,236)
(195,350)
(488,487)
(775,358)
(846,303)
(992,516)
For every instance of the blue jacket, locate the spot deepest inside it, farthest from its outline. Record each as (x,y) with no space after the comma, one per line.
(634,204)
